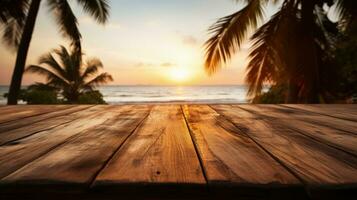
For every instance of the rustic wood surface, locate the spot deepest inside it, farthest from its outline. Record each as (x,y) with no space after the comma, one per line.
(178,151)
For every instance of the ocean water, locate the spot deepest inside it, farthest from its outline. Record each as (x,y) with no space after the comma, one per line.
(162,94)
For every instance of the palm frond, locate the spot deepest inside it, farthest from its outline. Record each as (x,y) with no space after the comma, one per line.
(270,58)
(67,61)
(12,32)
(261,67)
(13,16)
(92,67)
(99,9)
(59,84)
(48,60)
(50,75)
(229,33)
(66,21)
(347,11)
(69,74)
(100,79)
(10,9)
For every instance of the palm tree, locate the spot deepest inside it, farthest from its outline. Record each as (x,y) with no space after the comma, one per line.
(70,74)
(68,24)
(12,9)
(290,48)
(12,17)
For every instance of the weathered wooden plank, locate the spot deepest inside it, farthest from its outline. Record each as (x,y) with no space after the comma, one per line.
(332,122)
(12,125)
(14,134)
(15,155)
(315,163)
(340,139)
(160,151)
(345,111)
(78,160)
(228,155)
(23,111)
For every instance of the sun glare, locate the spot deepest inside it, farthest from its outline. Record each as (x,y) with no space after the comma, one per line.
(179,74)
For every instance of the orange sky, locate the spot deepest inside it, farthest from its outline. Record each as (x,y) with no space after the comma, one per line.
(151,42)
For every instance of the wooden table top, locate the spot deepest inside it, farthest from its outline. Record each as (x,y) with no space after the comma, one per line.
(178,151)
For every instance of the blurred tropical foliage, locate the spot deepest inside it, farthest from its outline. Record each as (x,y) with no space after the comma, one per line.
(69,79)
(18,19)
(304,55)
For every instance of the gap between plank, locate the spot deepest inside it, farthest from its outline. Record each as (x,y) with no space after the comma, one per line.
(39,156)
(309,111)
(105,164)
(34,115)
(264,149)
(319,123)
(45,129)
(48,151)
(304,134)
(195,146)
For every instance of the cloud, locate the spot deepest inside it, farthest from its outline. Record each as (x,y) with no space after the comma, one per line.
(143,64)
(167,64)
(147,64)
(189,40)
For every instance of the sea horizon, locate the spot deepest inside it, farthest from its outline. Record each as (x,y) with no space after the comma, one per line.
(140,93)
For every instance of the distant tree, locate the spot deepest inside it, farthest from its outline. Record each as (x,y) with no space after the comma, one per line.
(71,75)
(40,93)
(66,20)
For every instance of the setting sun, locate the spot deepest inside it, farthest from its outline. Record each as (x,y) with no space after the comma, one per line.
(179,74)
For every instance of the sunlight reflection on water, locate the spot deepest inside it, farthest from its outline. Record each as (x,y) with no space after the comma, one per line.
(147,94)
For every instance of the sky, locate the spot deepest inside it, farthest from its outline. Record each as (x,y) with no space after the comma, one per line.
(145,42)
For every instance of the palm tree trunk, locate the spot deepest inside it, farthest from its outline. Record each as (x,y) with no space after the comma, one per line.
(310,64)
(292,96)
(22,51)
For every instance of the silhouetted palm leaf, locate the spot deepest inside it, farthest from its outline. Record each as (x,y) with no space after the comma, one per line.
(96,8)
(269,55)
(290,49)
(66,20)
(229,32)
(93,65)
(12,18)
(48,73)
(347,11)
(70,75)
(12,9)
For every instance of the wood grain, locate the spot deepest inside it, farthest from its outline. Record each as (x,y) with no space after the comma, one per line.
(230,156)
(323,120)
(178,152)
(15,155)
(31,120)
(19,112)
(342,111)
(79,159)
(160,151)
(22,131)
(315,163)
(340,139)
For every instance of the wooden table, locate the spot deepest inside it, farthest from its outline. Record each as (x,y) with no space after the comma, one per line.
(178,152)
